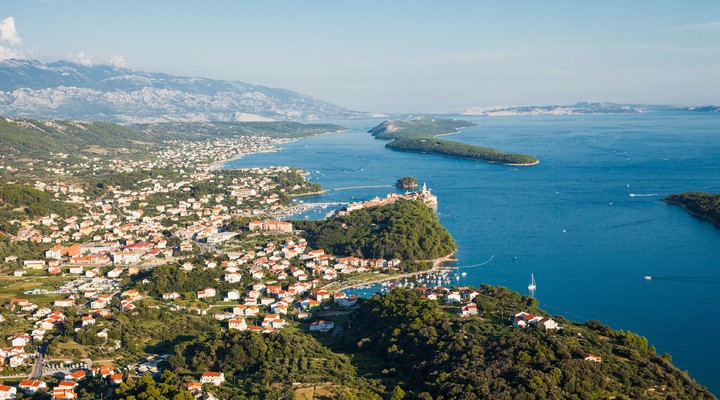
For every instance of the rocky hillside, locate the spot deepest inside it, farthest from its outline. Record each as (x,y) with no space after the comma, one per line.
(65,90)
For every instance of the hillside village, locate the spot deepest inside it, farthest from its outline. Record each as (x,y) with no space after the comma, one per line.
(172,215)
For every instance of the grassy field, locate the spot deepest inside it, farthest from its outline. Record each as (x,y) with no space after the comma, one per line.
(15,287)
(318,392)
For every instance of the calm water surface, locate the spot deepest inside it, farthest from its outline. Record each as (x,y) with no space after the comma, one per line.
(570,220)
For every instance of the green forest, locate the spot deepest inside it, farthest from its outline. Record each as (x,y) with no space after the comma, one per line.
(18,202)
(406,182)
(452,148)
(402,345)
(700,204)
(38,138)
(407,230)
(419,135)
(432,353)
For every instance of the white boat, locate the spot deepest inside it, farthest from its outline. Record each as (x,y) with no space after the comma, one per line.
(648,277)
(532,286)
(464,274)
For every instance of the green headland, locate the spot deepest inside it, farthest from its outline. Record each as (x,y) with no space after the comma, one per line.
(419,135)
(699,204)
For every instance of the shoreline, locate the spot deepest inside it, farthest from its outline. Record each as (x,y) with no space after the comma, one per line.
(437,266)
(693,213)
(220,164)
(521,164)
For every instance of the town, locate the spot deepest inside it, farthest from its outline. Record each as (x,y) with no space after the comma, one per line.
(150,222)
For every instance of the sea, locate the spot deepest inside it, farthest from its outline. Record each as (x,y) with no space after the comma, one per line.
(587,221)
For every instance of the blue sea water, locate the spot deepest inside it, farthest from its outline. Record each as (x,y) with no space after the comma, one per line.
(570,220)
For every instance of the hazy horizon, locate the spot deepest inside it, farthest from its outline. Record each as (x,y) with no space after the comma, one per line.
(403,57)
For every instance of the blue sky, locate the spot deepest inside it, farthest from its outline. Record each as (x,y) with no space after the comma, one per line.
(396,56)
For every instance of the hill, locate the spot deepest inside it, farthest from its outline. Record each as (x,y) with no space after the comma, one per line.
(205,130)
(586,108)
(699,204)
(402,345)
(38,138)
(419,135)
(407,230)
(23,136)
(429,350)
(18,202)
(65,90)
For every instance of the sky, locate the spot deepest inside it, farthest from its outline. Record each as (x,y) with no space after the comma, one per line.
(396,56)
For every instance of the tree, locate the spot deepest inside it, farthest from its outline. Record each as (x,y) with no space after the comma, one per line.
(397,393)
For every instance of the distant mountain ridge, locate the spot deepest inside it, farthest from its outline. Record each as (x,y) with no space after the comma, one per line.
(66,90)
(583,108)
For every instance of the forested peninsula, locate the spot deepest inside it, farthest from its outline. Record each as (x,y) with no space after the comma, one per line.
(406,230)
(700,204)
(419,135)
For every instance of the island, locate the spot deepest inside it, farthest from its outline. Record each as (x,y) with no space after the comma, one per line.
(407,182)
(700,204)
(420,135)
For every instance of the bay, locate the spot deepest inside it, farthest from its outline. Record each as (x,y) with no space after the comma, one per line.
(569,220)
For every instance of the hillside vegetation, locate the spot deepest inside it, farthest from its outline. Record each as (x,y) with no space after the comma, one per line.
(407,230)
(38,138)
(419,135)
(402,345)
(20,201)
(206,130)
(700,204)
(432,352)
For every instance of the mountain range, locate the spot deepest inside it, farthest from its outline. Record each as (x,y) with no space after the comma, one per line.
(66,90)
(583,108)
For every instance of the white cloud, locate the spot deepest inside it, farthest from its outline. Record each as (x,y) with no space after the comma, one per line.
(7,53)
(86,59)
(8,33)
(115,61)
(79,58)
(704,27)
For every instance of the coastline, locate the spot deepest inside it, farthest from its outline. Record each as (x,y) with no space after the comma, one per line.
(220,164)
(437,266)
(521,164)
(693,213)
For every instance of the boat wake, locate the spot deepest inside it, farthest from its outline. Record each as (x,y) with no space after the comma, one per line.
(477,265)
(712,280)
(643,195)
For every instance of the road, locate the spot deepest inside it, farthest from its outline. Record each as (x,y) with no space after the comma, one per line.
(37,368)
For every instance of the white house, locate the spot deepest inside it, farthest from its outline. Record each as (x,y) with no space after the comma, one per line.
(322,326)
(468,309)
(237,323)
(213,378)
(206,293)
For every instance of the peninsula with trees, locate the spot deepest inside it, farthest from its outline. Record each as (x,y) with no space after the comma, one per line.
(420,135)
(700,204)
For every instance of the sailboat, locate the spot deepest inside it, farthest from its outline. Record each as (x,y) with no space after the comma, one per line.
(531,286)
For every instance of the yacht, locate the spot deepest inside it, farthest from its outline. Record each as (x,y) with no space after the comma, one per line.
(532,286)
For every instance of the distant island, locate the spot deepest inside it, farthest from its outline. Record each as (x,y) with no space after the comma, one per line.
(407,182)
(419,135)
(583,107)
(700,204)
